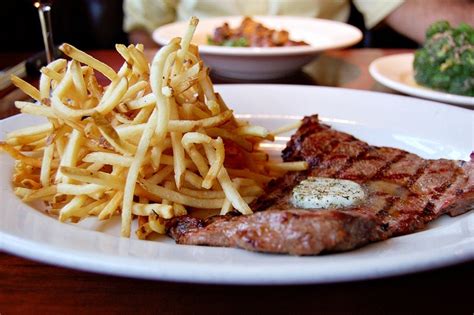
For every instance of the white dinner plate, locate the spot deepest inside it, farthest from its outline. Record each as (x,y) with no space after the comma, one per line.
(396,72)
(430,129)
(269,62)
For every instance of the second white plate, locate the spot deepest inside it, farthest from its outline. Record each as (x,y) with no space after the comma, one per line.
(253,63)
(396,72)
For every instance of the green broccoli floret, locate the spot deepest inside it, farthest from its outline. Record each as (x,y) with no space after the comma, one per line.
(446,61)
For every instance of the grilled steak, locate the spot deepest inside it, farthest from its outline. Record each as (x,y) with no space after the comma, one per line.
(404,193)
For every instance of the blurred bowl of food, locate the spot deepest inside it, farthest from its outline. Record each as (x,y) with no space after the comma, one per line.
(262,47)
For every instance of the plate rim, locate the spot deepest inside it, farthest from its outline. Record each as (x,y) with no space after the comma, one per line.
(263,51)
(101,264)
(423,92)
(11,244)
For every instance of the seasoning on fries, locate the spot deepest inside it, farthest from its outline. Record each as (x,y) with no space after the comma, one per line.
(155,143)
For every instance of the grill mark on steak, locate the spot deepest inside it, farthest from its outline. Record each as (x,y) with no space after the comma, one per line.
(428,210)
(352,160)
(443,188)
(310,125)
(457,200)
(277,188)
(381,171)
(385,210)
(404,193)
(338,158)
(400,172)
(375,160)
(419,172)
(427,201)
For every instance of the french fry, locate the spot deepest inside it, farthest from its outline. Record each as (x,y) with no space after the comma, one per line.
(227,206)
(46,165)
(151,144)
(69,210)
(111,206)
(145,101)
(156,224)
(123,51)
(178,125)
(78,80)
(133,174)
(93,87)
(30,131)
(232,194)
(286,128)
(178,150)
(144,229)
(261,178)
(174,196)
(84,58)
(226,134)
(26,140)
(33,109)
(179,210)
(116,94)
(53,75)
(110,134)
(193,179)
(188,35)
(161,175)
(40,193)
(94,177)
(190,125)
(156,84)
(287,166)
(66,112)
(29,89)
(71,189)
(142,116)
(133,90)
(70,156)
(188,75)
(45,79)
(108,158)
(139,60)
(255,131)
(164,211)
(95,207)
(197,158)
(17,155)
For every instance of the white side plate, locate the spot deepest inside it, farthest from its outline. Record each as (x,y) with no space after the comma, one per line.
(396,72)
(430,129)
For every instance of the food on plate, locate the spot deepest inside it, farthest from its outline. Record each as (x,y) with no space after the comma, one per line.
(446,60)
(155,143)
(403,193)
(251,33)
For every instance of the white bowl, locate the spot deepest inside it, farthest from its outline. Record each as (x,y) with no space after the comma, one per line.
(267,62)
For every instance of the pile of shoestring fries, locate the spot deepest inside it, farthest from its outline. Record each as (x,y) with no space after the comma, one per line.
(155,143)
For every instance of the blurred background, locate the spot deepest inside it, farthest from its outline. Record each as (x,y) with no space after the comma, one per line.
(97,24)
(89,24)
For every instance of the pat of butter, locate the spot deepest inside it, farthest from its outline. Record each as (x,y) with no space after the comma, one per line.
(323,193)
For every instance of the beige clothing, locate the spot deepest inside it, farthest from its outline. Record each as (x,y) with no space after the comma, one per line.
(150,14)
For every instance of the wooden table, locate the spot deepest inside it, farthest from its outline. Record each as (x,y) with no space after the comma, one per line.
(30,287)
